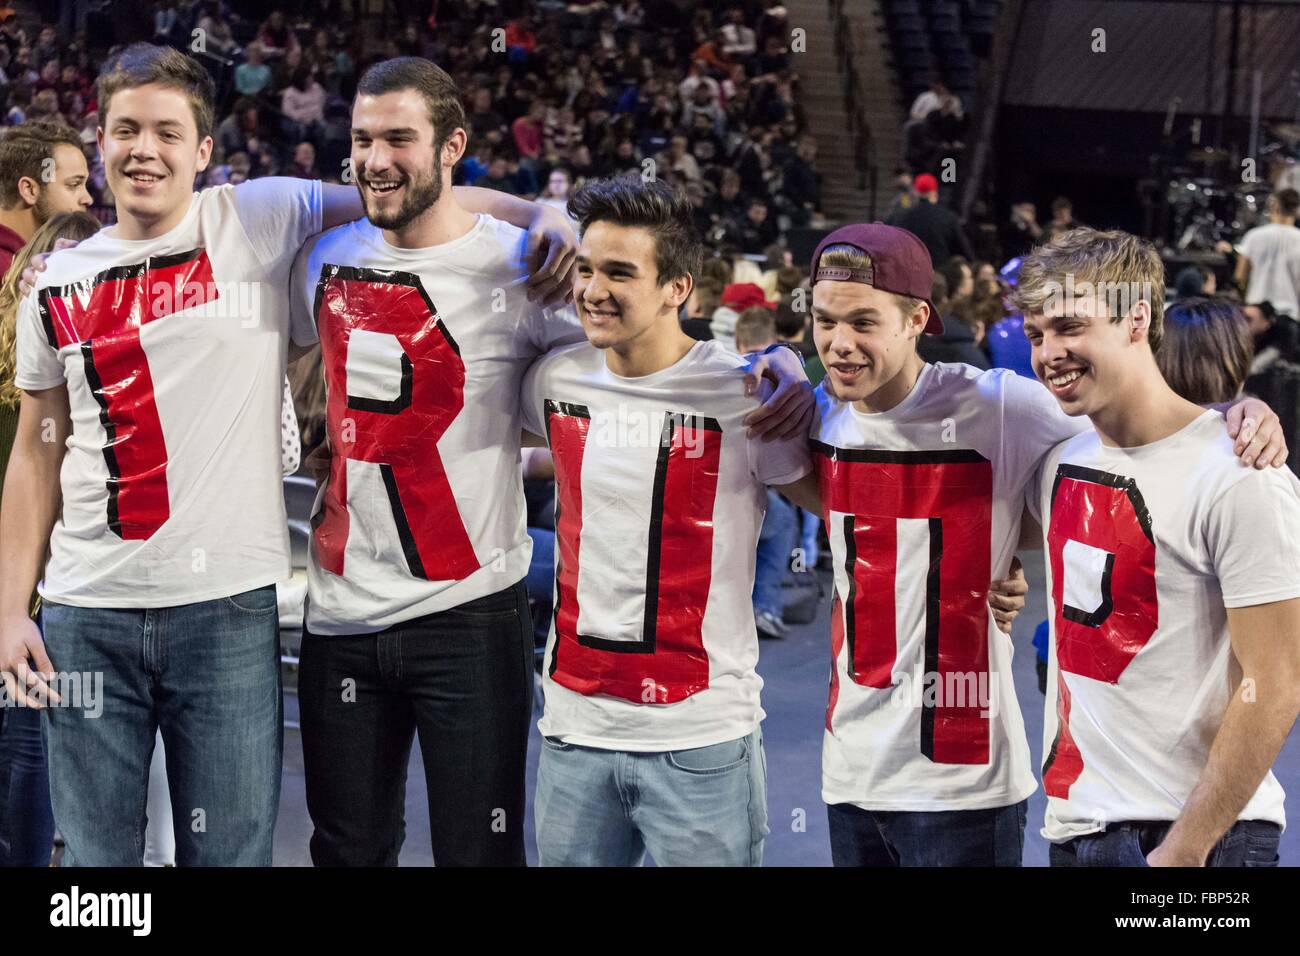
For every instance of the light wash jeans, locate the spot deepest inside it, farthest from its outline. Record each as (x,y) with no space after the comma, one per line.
(701,807)
(208,676)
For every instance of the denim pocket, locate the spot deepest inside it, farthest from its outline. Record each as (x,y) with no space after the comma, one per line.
(716,758)
(1132,841)
(1261,847)
(556,744)
(492,608)
(257,601)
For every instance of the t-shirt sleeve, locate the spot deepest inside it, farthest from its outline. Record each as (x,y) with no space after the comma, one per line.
(302,299)
(278,213)
(553,327)
(531,398)
(1253,537)
(37,363)
(780,462)
(1032,425)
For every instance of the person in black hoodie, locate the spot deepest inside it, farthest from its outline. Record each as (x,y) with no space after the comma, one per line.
(957,343)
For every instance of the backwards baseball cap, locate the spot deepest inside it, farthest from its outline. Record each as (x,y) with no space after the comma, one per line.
(900,263)
(925,183)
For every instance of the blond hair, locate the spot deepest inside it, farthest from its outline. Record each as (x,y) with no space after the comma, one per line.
(64,225)
(1113,266)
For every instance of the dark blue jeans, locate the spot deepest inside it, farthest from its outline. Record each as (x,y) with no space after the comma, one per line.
(776,540)
(208,676)
(463,679)
(994,837)
(26,822)
(1247,843)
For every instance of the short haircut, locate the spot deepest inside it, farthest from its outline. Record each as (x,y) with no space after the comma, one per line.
(441,95)
(1111,264)
(846,256)
(24,151)
(789,323)
(1288,201)
(952,274)
(755,328)
(141,64)
(1207,350)
(652,205)
(788,278)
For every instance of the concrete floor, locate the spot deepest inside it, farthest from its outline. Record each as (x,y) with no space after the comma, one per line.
(796,673)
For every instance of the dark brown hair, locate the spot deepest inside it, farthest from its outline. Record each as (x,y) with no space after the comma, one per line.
(1207,349)
(24,149)
(441,95)
(141,64)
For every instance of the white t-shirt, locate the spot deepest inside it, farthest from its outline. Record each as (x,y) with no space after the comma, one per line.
(922,506)
(660,497)
(173,351)
(1146,547)
(423,352)
(1274,254)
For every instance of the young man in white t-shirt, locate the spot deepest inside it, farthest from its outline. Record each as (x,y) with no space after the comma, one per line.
(155,353)
(922,471)
(1173,586)
(651,725)
(1268,260)
(419,549)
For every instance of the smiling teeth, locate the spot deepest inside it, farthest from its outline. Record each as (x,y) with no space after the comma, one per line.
(1066,379)
(385,187)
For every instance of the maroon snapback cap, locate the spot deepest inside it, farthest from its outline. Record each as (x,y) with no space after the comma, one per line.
(900,263)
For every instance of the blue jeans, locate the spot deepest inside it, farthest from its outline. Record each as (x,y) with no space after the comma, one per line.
(1247,843)
(701,807)
(775,541)
(26,822)
(540,582)
(993,837)
(208,675)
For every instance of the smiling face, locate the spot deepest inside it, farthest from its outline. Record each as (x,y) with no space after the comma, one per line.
(397,165)
(863,337)
(151,150)
(1085,359)
(617,291)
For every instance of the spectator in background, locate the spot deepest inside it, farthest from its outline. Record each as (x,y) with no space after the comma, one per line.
(1205,350)
(528,132)
(277,38)
(303,106)
(936,226)
(240,132)
(738,40)
(801,183)
(929,101)
(558,185)
(1021,232)
(956,343)
(253,75)
(736,298)
(303,165)
(758,229)
(1062,219)
(28,196)
(1275,337)
(755,329)
(485,123)
(1268,261)
(26,819)
(1194,281)
(705,297)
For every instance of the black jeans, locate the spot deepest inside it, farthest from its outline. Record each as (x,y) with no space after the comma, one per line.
(463,679)
(1247,843)
(993,837)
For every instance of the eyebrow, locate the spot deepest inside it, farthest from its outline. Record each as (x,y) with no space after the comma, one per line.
(401,131)
(611,264)
(867,312)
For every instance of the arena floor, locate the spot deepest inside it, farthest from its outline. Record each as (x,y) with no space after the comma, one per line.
(795,673)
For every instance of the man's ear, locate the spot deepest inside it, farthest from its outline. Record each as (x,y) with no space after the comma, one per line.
(1139,320)
(918,320)
(680,290)
(29,190)
(454,148)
